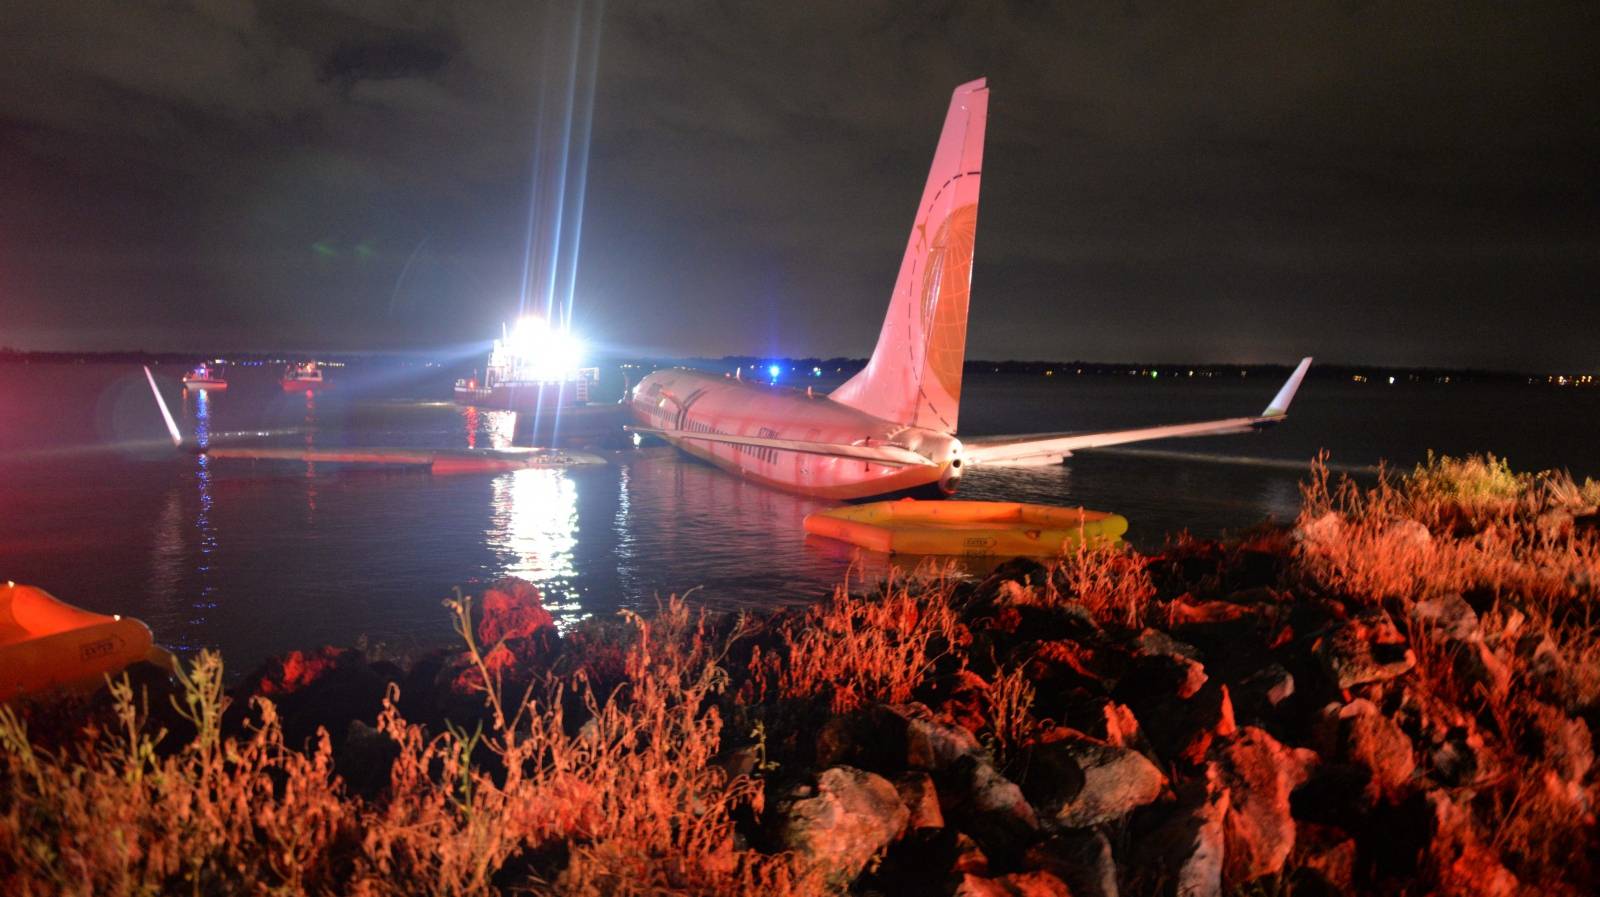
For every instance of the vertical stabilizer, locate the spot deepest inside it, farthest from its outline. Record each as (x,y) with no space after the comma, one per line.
(914,376)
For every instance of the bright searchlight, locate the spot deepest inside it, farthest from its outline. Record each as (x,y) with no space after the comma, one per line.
(542,352)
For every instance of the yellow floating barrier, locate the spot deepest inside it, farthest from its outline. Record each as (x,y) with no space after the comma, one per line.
(972,528)
(45,643)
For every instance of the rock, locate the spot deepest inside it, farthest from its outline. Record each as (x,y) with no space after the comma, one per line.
(1449,615)
(1259,773)
(853,815)
(920,741)
(1363,649)
(968,856)
(1564,744)
(1167,674)
(1358,733)
(988,806)
(1017,884)
(1189,846)
(1154,642)
(1116,725)
(1456,858)
(837,743)
(1067,663)
(1329,868)
(921,800)
(1078,782)
(365,759)
(1082,859)
(1461,757)
(1323,533)
(1452,620)
(1264,691)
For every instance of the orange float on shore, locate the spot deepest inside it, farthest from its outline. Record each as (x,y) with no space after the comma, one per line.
(46,643)
(972,528)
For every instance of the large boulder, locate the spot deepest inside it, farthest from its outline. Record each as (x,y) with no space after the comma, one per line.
(852,815)
(1359,734)
(1077,782)
(889,738)
(1259,773)
(988,806)
(922,801)
(1189,847)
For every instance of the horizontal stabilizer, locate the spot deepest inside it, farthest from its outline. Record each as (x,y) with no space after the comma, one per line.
(1044,448)
(878,454)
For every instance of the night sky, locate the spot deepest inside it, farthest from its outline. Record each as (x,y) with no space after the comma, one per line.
(1407,183)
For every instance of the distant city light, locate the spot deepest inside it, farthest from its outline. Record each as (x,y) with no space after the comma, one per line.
(774,370)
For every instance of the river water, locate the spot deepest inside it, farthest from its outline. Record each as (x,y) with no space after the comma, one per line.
(257,558)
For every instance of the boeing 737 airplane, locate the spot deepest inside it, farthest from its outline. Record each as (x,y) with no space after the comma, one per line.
(892,427)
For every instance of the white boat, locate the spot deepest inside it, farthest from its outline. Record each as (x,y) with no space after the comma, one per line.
(302,376)
(205,377)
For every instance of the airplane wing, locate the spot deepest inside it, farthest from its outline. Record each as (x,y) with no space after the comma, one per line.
(892,455)
(1049,448)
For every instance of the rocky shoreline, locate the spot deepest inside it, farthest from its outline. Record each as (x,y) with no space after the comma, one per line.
(1397,694)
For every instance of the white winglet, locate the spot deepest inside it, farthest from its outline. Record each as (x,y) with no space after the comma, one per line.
(172,425)
(1279,406)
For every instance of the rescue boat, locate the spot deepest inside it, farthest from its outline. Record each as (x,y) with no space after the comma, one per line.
(970,528)
(303,376)
(205,377)
(46,643)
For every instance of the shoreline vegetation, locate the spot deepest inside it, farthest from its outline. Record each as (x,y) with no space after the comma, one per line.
(1398,693)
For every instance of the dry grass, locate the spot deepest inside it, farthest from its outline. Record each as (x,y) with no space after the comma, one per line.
(629,794)
(111,815)
(1110,581)
(856,651)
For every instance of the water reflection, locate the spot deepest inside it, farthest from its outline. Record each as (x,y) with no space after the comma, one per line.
(206,599)
(494,428)
(533,527)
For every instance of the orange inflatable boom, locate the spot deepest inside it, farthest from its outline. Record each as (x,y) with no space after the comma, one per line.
(46,643)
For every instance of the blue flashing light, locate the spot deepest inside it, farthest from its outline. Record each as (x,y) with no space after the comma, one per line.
(774,370)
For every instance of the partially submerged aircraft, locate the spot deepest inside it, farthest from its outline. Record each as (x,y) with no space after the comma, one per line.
(892,427)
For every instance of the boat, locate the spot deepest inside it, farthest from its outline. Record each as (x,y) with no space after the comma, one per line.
(205,376)
(968,528)
(302,376)
(536,370)
(46,643)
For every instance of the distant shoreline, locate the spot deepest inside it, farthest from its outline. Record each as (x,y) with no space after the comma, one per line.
(1155,370)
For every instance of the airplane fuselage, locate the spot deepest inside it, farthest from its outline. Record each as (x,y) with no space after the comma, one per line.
(682,402)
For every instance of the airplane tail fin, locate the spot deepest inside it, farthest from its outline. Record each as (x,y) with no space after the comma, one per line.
(914,376)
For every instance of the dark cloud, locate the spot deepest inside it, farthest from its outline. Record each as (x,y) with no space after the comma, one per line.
(1401,183)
